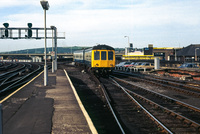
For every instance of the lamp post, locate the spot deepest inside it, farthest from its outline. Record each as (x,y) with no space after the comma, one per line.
(45,6)
(53,52)
(196,54)
(126,50)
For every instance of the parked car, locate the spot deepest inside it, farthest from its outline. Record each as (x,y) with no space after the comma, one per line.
(189,65)
(147,64)
(121,64)
(137,64)
(129,65)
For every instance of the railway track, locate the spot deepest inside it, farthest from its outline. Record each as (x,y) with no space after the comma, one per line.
(187,87)
(7,66)
(13,73)
(131,115)
(177,116)
(128,116)
(107,98)
(18,76)
(139,110)
(185,82)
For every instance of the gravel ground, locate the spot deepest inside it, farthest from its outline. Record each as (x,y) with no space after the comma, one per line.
(192,100)
(91,97)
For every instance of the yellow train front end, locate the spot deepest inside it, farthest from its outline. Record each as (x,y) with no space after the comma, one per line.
(103,59)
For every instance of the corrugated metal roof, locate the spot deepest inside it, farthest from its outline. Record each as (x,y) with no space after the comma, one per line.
(189,50)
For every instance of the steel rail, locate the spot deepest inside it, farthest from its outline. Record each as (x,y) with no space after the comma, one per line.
(29,75)
(162,95)
(11,81)
(15,73)
(177,83)
(177,101)
(146,111)
(5,67)
(21,81)
(10,72)
(11,75)
(165,85)
(109,104)
(6,80)
(153,103)
(190,83)
(8,66)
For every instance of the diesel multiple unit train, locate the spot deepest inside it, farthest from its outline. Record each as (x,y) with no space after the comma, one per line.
(99,59)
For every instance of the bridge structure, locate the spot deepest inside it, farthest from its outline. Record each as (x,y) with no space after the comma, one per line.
(59,55)
(41,55)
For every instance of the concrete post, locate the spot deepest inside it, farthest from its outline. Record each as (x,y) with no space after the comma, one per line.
(45,75)
(156,63)
(55,41)
(33,58)
(53,66)
(53,46)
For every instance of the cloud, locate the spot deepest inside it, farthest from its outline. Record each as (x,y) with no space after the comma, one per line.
(14,3)
(96,21)
(143,13)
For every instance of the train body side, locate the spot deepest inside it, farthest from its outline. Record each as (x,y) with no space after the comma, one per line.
(88,57)
(79,56)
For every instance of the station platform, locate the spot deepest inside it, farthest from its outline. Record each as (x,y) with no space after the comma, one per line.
(39,109)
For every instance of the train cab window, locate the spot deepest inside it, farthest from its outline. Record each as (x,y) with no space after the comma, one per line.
(103,55)
(110,55)
(96,55)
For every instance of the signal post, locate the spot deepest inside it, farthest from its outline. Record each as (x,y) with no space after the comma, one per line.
(32,33)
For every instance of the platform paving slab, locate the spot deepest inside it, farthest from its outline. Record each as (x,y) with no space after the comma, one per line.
(31,118)
(38,109)
(67,118)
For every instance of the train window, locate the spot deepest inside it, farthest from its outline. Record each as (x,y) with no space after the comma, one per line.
(103,55)
(110,55)
(96,55)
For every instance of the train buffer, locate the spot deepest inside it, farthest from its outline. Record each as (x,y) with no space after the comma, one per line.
(45,109)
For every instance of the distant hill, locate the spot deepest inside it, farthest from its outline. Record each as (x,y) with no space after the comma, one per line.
(49,49)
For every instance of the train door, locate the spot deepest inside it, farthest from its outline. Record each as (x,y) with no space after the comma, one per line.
(107,58)
(103,62)
(111,58)
(96,59)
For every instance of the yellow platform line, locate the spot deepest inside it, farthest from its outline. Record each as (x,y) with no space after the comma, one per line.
(20,88)
(88,119)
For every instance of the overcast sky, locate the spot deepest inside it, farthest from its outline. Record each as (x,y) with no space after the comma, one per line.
(163,23)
